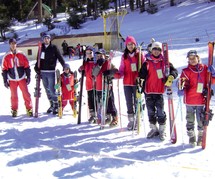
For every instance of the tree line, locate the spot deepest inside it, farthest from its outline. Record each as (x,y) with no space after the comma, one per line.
(19,9)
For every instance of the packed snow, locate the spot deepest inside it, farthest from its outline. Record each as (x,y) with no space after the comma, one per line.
(49,147)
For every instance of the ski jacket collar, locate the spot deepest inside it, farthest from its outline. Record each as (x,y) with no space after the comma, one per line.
(154,59)
(196,68)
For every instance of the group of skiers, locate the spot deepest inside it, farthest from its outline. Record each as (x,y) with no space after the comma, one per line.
(71,51)
(99,71)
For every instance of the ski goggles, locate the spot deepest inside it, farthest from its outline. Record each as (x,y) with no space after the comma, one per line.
(157,48)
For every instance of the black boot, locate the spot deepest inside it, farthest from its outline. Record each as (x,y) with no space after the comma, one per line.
(55,108)
(50,109)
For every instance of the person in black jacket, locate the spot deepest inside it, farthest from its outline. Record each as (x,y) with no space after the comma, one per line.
(48,61)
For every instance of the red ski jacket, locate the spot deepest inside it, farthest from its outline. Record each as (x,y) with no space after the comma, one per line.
(104,67)
(67,85)
(195,82)
(88,67)
(16,66)
(153,72)
(129,69)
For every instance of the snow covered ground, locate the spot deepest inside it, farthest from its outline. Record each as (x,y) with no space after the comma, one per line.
(49,147)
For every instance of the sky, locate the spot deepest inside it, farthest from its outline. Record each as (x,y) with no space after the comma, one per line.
(49,147)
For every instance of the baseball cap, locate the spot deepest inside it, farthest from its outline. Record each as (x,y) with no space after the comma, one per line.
(192,52)
(12,41)
(46,36)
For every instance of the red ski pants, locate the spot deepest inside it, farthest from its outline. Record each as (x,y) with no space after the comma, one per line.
(25,93)
(71,102)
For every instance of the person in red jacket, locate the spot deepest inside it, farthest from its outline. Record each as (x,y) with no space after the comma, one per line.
(17,73)
(153,74)
(103,67)
(67,86)
(88,67)
(129,71)
(192,84)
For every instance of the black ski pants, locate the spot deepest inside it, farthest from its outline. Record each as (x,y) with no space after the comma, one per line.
(155,108)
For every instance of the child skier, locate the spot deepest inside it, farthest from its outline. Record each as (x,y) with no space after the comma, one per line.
(153,74)
(68,85)
(192,84)
(104,67)
(129,71)
(88,67)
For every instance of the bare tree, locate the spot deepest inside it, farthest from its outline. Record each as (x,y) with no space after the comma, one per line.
(39,10)
(137,3)
(115,4)
(131,4)
(119,3)
(89,8)
(142,6)
(172,2)
(54,7)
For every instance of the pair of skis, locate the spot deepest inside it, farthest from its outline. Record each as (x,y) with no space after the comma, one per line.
(139,107)
(105,94)
(208,113)
(37,92)
(169,92)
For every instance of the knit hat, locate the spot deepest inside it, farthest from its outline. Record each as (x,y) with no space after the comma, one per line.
(66,65)
(192,52)
(130,39)
(156,45)
(101,51)
(89,48)
(12,40)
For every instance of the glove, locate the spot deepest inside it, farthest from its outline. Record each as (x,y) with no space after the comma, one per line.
(57,86)
(100,61)
(169,81)
(139,82)
(180,93)
(80,69)
(76,85)
(28,80)
(36,70)
(6,84)
(211,70)
(109,72)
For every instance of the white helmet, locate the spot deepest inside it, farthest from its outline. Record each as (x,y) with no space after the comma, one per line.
(156,45)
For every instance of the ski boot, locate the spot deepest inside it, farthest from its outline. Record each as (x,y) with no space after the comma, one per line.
(14,113)
(153,132)
(55,108)
(108,119)
(192,137)
(132,125)
(114,122)
(162,132)
(92,119)
(29,112)
(199,141)
(51,108)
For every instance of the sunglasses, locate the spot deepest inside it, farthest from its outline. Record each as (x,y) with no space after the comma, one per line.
(88,53)
(156,48)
